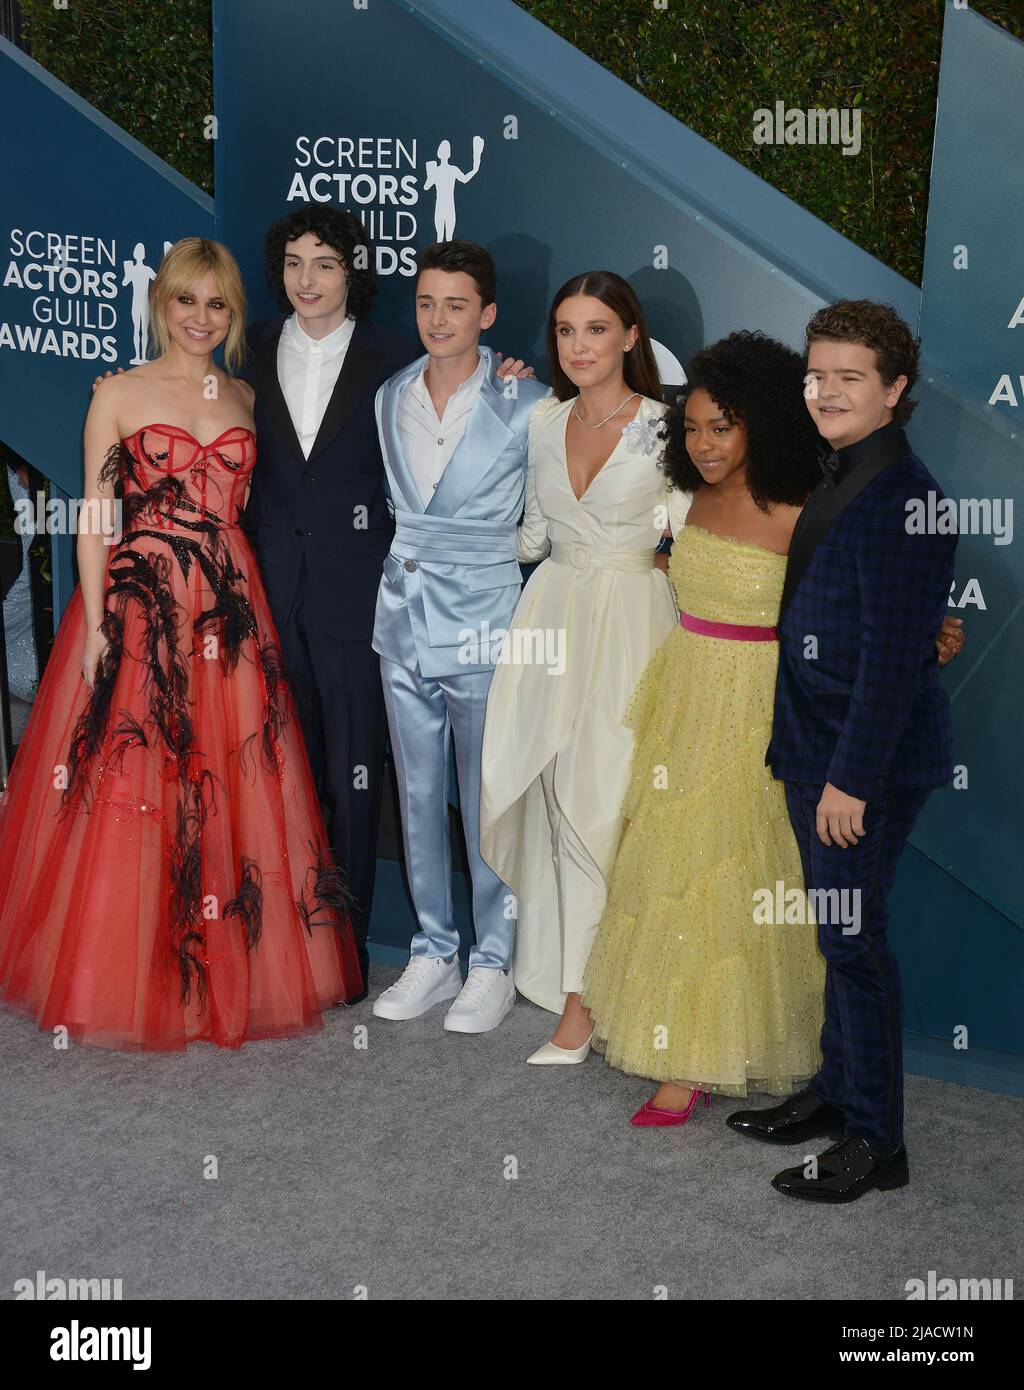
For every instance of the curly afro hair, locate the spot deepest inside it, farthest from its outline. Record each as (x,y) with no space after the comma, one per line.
(343,233)
(759,383)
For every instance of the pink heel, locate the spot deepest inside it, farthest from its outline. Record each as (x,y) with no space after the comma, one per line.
(654,1116)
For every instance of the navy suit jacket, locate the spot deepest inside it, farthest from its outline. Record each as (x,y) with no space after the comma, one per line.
(330,508)
(858,701)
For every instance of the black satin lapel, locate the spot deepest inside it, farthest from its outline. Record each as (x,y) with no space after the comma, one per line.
(268,391)
(828,504)
(806,536)
(357,373)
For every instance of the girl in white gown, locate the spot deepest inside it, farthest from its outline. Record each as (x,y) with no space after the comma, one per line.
(556,755)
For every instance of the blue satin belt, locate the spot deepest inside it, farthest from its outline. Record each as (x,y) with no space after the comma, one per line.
(452,540)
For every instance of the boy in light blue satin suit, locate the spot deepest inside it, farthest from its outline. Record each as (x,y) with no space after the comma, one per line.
(454,439)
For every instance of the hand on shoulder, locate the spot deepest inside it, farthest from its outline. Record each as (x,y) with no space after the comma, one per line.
(111,376)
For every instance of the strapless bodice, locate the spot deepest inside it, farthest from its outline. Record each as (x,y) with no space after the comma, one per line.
(166,471)
(725,580)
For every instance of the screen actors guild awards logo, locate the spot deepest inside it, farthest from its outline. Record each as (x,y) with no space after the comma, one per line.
(442,176)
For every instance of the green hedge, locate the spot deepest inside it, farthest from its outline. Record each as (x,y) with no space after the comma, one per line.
(147,64)
(711,65)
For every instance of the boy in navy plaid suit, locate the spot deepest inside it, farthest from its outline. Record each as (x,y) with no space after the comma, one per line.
(861,733)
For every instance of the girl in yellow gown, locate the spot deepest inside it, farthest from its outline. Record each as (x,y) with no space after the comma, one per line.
(692,980)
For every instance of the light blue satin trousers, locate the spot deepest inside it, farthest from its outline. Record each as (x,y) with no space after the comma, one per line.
(424,714)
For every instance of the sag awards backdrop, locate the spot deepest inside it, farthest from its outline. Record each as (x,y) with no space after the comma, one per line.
(488,126)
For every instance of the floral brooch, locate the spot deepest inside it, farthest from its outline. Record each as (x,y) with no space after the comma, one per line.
(642,436)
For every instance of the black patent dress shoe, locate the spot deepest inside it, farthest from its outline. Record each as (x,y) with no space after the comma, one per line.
(845,1172)
(799,1117)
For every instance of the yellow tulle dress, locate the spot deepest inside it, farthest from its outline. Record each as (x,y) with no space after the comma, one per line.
(695,976)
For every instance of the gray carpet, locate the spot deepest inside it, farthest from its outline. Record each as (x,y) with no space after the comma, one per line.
(386,1168)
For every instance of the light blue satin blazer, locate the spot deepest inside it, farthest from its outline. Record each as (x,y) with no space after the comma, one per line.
(452,567)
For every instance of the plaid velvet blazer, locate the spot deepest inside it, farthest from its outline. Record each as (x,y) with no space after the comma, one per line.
(858,701)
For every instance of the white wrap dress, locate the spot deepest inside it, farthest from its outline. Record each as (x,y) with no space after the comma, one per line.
(588,621)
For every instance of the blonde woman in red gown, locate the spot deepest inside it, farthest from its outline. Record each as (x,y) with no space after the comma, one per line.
(165,872)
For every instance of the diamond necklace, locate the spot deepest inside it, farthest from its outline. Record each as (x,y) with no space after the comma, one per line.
(576,412)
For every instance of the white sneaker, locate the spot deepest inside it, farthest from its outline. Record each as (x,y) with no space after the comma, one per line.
(424,982)
(485,999)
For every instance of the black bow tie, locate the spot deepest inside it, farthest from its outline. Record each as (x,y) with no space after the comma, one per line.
(828,461)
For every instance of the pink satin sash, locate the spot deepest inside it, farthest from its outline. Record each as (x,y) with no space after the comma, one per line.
(734,632)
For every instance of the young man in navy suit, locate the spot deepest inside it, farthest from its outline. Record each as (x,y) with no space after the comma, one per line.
(317,514)
(861,733)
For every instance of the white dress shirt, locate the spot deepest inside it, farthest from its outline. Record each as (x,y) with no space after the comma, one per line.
(427,441)
(308,370)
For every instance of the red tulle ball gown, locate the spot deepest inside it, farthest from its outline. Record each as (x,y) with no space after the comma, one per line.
(163,861)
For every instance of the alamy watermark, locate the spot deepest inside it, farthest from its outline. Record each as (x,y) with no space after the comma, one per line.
(815,126)
(70,516)
(933,515)
(832,907)
(55,1289)
(522,646)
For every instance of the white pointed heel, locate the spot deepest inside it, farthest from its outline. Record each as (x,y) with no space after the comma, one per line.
(551,1055)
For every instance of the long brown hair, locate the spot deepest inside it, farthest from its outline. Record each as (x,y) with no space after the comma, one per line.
(638,366)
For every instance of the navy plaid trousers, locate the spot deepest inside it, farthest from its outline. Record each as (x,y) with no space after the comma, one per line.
(862,1035)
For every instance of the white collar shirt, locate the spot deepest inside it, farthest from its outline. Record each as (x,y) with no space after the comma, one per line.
(308,370)
(428,442)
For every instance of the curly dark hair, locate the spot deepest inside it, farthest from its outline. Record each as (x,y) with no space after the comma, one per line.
(343,233)
(879,327)
(759,383)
